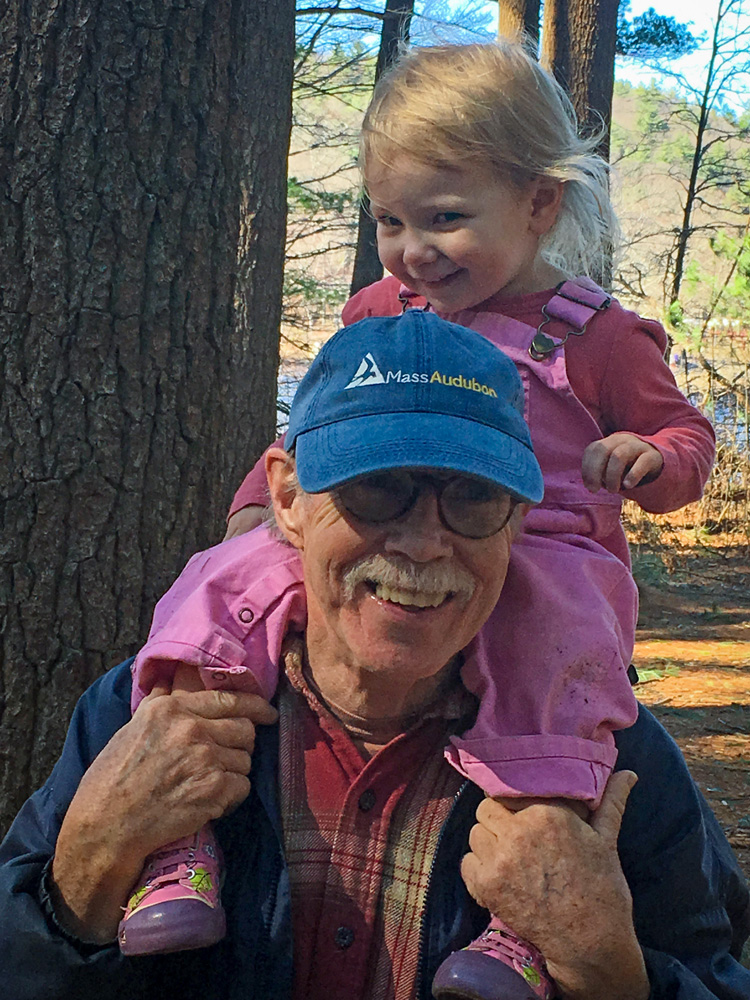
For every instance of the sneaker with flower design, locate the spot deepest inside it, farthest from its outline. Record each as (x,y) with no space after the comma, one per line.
(498,965)
(175,904)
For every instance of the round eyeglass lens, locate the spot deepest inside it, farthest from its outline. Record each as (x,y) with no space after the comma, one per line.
(475,508)
(378,498)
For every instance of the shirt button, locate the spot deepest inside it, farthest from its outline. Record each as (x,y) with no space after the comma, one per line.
(344,937)
(246,615)
(367,800)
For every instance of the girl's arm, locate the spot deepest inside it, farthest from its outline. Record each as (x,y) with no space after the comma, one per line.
(632,392)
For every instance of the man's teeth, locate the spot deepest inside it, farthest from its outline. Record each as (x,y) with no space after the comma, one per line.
(409,597)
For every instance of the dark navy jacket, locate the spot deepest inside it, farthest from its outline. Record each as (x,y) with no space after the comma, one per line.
(690,901)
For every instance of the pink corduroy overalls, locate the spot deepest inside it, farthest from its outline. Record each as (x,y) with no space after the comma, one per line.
(550,664)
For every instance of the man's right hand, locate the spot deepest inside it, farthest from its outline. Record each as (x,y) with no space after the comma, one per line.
(180,762)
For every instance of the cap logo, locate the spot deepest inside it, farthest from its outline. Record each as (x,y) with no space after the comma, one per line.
(459,382)
(368,373)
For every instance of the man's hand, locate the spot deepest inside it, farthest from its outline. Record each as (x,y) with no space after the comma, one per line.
(244,520)
(557,881)
(619,462)
(181,761)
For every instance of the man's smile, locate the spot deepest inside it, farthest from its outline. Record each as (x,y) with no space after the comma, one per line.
(408,598)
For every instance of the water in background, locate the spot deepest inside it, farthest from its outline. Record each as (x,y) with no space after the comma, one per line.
(727,411)
(291,373)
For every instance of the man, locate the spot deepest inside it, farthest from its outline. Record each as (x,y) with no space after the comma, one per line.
(347,867)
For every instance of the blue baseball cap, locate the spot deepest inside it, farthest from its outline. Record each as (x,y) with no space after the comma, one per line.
(412,391)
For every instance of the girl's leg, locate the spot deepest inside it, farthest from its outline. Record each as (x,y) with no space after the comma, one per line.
(550,671)
(175,904)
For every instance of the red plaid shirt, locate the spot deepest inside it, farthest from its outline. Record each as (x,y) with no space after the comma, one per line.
(359,838)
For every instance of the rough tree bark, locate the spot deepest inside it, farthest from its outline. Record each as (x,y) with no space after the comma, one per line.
(578,45)
(143,150)
(367,267)
(517,17)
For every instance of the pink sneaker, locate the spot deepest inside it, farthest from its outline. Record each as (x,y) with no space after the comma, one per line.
(497,966)
(175,905)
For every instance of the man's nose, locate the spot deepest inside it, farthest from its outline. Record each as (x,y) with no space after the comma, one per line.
(420,534)
(418,250)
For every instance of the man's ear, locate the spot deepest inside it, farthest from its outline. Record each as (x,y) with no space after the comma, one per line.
(285,495)
(547,193)
(516,518)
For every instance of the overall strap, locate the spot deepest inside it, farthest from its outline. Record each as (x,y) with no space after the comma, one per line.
(574,303)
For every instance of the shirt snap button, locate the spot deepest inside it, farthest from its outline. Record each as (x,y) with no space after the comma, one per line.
(344,937)
(246,615)
(367,800)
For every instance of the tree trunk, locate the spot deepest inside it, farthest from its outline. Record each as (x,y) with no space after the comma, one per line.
(578,46)
(519,17)
(686,224)
(367,267)
(142,214)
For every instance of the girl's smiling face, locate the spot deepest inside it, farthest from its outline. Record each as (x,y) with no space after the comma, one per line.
(458,235)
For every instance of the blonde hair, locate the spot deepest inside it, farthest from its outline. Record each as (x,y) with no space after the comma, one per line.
(449,104)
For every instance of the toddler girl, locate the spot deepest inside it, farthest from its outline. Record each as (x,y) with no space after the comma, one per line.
(491,209)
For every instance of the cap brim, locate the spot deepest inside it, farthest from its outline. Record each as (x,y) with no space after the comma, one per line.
(331,455)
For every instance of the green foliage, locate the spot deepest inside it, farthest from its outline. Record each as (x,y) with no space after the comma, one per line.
(301,196)
(318,295)
(651,35)
(650,674)
(675,316)
(735,296)
(652,123)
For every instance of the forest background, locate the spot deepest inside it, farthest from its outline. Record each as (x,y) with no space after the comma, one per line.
(680,155)
(143,154)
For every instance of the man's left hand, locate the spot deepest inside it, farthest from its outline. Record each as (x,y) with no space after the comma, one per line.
(557,881)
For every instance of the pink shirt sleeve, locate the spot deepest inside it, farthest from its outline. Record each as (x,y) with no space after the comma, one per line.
(628,386)
(254,487)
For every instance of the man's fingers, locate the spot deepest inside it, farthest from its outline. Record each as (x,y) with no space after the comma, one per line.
(471,873)
(235,761)
(235,734)
(489,810)
(230,705)
(157,691)
(235,789)
(607,819)
(482,841)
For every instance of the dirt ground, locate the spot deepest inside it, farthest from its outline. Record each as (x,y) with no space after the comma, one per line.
(693,657)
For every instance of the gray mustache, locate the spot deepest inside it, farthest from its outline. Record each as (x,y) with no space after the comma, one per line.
(402,574)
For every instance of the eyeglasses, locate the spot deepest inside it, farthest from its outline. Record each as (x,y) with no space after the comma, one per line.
(469,506)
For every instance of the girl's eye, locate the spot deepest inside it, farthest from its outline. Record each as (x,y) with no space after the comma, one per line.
(448,217)
(387,220)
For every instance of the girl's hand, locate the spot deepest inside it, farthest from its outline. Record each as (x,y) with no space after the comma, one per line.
(621,461)
(244,520)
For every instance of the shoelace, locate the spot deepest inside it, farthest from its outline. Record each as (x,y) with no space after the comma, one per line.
(496,939)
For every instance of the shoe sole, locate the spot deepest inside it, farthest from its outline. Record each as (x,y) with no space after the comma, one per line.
(473,975)
(179,925)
